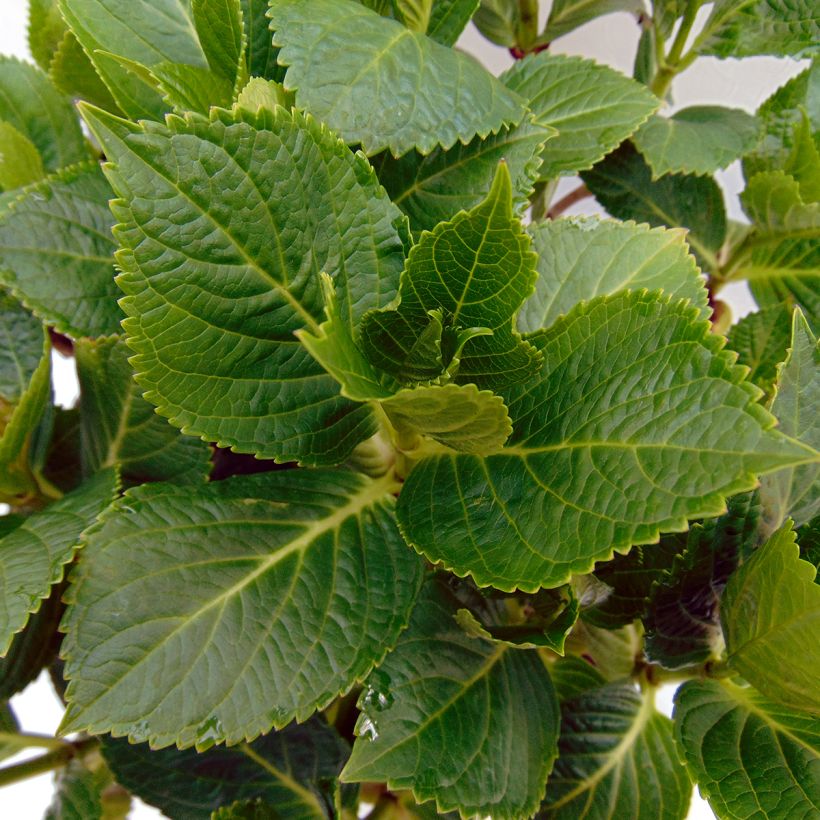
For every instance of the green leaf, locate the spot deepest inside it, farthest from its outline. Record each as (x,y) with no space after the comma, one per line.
(623,184)
(45,30)
(20,161)
(249,252)
(262,93)
(442,716)
(593,107)
(795,492)
(74,74)
(745,28)
(119,427)
(219,26)
(32,105)
(580,258)
(774,203)
(192,88)
(761,341)
(277,593)
(750,757)
(34,555)
(246,810)
(636,423)
(476,271)
(808,539)
(681,620)
(415,14)
(144,33)
(567,15)
(769,615)
(448,19)
(441,95)
(57,252)
(294,770)
(696,140)
(432,189)
(25,389)
(9,724)
(260,52)
(498,21)
(572,676)
(611,651)
(62,468)
(83,792)
(616,758)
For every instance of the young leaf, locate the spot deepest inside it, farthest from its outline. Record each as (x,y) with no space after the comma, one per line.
(74,74)
(219,25)
(476,270)
(448,18)
(769,615)
(45,30)
(260,52)
(795,492)
(31,104)
(580,258)
(275,594)
(775,205)
(20,161)
(636,422)
(696,140)
(244,276)
(623,184)
(34,555)
(593,107)
(616,758)
(294,770)
(432,189)
(567,15)
(442,717)
(498,21)
(749,756)
(761,341)
(389,87)
(119,427)
(57,252)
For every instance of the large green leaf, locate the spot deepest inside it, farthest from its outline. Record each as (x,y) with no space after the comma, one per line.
(30,103)
(770,616)
(388,87)
(255,600)
(119,427)
(593,107)
(616,758)
(761,341)
(750,757)
(57,252)
(475,271)
(20,161)
(214,297)
(636,423)
(432,189)
(34,555)
(295,771)
(696,140)
(470,723)
(567,15)
(623,184)
(745,28)
(580,258)
(795,492)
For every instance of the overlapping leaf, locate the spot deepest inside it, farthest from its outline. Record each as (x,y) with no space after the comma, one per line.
(74,74)
(45,30)
(770,615)
(84,790)
(696,140)
(260,53)
(254,600)
(388,87)
(581,258)
(636,422)
(762,340)
(593,107)
(295,771)
(749,756)
(119,427)
(57,252)
(616,758)
(442,717)
(20,161)
(34,555)
(229,256)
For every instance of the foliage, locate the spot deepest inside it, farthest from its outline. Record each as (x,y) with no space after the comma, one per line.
(387,482)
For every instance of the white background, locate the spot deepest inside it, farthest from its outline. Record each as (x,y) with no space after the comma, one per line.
(612,40)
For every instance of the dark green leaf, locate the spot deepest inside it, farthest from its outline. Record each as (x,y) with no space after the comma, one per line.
(808,539)
(593,107)
(438,95)
(249,252)
(256,600)
(63,468)
(57,252)
(443,716)
(219,26)
(85,790)
(750,757)
(294,770)
(761,341)
(637,422)
(572,676)
(448,19)
(259,50)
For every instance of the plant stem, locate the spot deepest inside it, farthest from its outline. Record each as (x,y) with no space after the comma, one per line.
(527,29)
(55,759)
(27,741)
(675,62)
(580,193)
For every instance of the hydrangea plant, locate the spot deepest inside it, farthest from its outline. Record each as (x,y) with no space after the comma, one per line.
(388,485)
